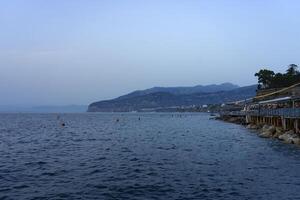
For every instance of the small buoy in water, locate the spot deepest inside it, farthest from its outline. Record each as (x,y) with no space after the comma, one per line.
(63,124)
(117,120)
(139,118)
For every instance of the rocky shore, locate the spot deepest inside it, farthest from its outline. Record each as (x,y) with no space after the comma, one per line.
(266,131)
(236,120)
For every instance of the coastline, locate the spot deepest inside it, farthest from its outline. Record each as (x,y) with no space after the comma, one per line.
(264,130)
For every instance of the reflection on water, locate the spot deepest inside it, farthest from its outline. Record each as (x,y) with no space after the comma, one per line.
(141,156)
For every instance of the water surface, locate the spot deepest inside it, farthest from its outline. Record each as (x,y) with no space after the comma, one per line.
(160,156)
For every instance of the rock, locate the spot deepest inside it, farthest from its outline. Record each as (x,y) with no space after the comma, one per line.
(266,134)
(296,140)
(284,137)
(260,126)
(265,128)
(267,131)
(268,128)
(290,132)
(251,126)
(277,134)
(272,129)
(290,137)
(279,130)
(232,120)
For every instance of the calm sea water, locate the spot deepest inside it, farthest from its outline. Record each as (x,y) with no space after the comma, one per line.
(160,156)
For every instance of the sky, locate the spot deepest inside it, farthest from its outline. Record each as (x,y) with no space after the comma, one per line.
(61,52)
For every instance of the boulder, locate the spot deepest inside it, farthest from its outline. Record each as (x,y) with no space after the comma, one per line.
(265,128)
(290,132)
(290,137)
(251,126)
(279,130)
(295,140)
(260,125)
(272,129)
(284,137)
(267,131)
(266,134)
(277,134)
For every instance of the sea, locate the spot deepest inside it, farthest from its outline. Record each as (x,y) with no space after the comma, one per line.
(141,156)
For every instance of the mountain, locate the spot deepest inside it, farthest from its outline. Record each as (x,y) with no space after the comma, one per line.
(155,98)
(183,90)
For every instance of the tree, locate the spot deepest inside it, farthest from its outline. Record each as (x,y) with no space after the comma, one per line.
(268,79)
(265,77)
(292,70)
(279,80)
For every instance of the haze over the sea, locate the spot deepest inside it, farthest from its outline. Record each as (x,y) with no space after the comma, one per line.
(62,52)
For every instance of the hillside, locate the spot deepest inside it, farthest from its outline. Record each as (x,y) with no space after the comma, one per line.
(150,99)
(183,90)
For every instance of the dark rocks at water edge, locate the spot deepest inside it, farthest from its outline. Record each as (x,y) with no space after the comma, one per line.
(161,98)
(266,131)
(236,120)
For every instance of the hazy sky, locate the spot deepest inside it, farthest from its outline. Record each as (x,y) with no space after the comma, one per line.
(56,52)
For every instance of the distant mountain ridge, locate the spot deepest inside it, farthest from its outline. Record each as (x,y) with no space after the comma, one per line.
(183,90)
(160,97)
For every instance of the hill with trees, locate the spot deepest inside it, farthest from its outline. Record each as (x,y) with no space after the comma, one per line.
(155,99)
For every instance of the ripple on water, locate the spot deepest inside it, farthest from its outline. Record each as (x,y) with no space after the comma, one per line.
(157,157)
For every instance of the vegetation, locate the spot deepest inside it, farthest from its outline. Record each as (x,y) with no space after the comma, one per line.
(268,79)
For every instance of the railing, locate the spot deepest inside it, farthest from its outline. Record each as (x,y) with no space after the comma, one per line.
(285,112)
(234,113)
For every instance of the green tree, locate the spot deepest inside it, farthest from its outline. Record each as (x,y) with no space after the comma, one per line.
(279,80)
(265,78)
(292,70)
(268,79)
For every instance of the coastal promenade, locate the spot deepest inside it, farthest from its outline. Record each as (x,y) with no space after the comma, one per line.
(281,123)
(275,113)
(280,112)
(286,118)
